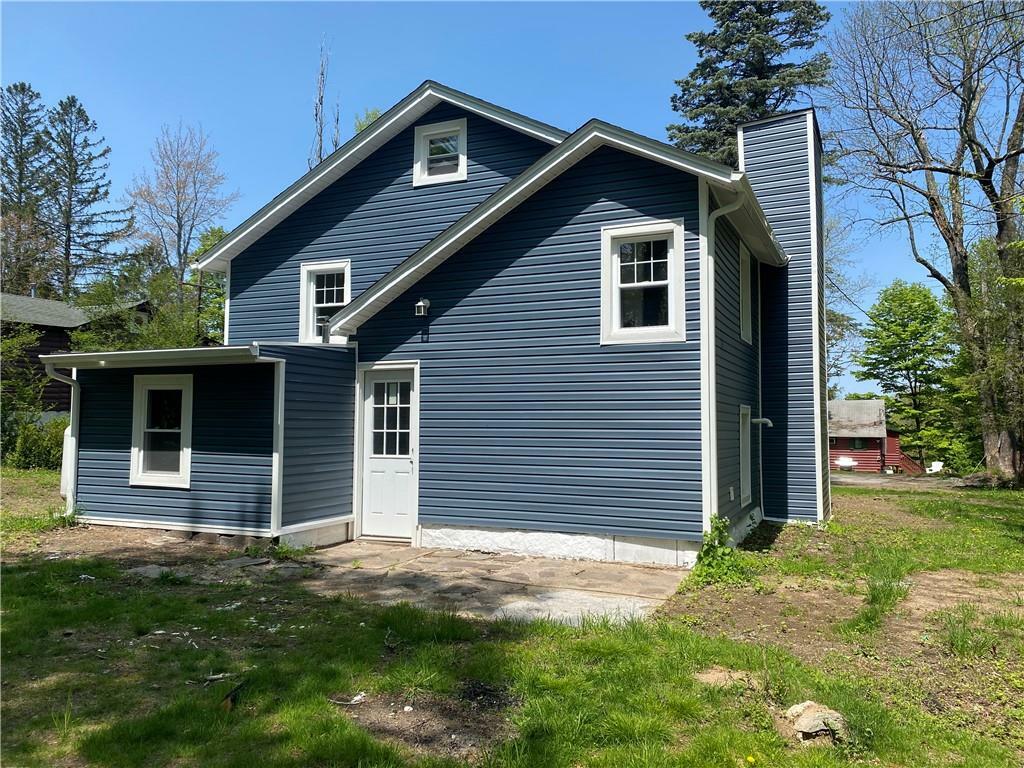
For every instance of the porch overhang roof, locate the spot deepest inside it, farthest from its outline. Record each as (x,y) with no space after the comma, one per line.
(144,358)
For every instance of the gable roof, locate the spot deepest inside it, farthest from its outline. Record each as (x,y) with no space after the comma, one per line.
(749,219)
(366,142)
(36,311)
(856,418)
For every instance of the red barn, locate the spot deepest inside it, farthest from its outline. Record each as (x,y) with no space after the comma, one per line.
(859,440)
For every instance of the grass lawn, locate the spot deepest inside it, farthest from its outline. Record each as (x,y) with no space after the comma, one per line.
(100,668)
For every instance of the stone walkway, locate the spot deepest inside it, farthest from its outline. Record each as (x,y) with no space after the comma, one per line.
(493,586)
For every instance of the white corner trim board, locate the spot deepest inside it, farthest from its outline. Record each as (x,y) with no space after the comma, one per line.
(566,546)
(821,467)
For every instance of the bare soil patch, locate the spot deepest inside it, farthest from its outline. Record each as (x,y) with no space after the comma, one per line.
(461,727)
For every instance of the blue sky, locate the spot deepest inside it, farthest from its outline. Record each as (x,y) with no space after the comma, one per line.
(246,72)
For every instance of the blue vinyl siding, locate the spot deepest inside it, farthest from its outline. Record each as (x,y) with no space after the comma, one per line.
(232,448)
(777,163)
(372,215)
(319,420)
(736,368)
(527,422)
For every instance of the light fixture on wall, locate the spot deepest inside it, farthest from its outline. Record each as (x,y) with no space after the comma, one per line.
(421,307)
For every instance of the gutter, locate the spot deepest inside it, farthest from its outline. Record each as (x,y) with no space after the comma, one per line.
(708,339)
(69,458)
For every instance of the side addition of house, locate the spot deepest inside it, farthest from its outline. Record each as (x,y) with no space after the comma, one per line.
(467,328)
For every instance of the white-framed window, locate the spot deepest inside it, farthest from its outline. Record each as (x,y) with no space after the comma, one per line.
(642,283)
(745,468)
(326,288)
(439,154)
(746,308)
(162,431)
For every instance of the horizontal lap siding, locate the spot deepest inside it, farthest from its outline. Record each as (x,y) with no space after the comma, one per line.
(527,422)
(232,447)
(736,369)
(776,161)
(372,215)
(319,421)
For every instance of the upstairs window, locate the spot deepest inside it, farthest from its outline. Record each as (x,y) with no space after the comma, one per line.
(440,153)
(325,290)
(162,431)
(641,283)
(746,317)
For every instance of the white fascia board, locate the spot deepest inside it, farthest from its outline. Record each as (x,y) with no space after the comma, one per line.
(588,138)
(361,146)
(154,357)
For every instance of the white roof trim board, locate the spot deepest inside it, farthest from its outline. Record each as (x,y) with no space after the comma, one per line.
(749,219)
(362,145)
(154,357)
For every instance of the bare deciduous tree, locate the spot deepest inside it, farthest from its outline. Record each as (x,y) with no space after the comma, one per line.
(928,98)
(318,151)
(182,196)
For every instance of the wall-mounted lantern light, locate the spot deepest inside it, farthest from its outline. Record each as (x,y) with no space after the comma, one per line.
(421,307)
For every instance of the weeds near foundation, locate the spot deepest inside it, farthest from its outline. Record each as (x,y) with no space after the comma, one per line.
(718,562)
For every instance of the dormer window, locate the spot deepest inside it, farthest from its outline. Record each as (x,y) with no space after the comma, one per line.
(326,288)
(440,153)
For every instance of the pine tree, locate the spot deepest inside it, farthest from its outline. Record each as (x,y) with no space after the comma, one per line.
(22,148)
(23,156)
(746,70)
(82,228)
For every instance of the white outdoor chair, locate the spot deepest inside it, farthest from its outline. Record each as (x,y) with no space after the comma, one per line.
(845,462)
(934,469)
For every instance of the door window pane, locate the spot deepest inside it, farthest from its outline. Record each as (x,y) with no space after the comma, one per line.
(392,416)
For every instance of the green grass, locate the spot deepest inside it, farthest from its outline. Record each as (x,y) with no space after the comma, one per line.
(30,503)
(95,674)
(86,679)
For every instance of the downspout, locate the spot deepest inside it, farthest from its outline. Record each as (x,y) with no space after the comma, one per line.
(69,460)
(711,372)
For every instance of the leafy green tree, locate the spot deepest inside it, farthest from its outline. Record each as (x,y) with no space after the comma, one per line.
(22,387)
(907,348)
(82,228)
(23,157)
(363,121)
(748,68)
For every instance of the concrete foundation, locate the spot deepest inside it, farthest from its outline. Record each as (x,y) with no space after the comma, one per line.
(566,546)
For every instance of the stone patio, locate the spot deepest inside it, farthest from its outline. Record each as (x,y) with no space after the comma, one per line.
(491,585)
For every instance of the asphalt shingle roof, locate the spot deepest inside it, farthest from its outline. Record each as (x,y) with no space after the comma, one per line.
(26,309)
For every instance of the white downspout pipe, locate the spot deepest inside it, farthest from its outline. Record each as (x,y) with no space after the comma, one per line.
(711,372)
(69,458)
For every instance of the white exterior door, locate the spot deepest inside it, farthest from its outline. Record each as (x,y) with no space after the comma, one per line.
(390,419)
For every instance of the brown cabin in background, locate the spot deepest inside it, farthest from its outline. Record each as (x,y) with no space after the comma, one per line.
(859,439)
(54,320)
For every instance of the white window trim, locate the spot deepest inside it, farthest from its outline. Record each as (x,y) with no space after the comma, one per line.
(423,134)
(746,465)
(746,299)
(143,384)
(308,271)
(611,333)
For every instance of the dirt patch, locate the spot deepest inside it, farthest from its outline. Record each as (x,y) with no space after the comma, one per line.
(934,591)
(723,677)
(797,614)
(462,727)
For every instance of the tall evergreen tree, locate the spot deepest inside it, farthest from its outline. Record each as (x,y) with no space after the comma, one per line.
(82,228)
(22,147)
(747,70)
(23,156)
